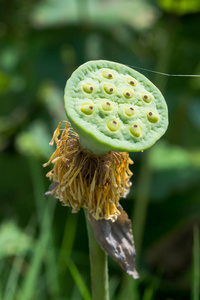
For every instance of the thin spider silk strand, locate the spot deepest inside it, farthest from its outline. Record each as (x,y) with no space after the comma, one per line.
(165,74)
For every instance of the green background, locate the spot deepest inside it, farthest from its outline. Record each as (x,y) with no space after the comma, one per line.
(43,247)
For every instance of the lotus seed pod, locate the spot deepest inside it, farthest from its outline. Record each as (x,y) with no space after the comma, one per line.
(106,119)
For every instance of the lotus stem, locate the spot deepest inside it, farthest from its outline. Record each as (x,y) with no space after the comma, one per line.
(98,266)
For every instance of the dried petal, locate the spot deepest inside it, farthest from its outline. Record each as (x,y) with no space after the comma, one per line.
(116,239)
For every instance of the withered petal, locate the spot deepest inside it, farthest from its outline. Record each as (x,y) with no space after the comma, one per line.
(50,190)
(116,239)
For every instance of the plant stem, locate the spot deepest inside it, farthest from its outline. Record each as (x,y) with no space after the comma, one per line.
(98,266)
(196,264)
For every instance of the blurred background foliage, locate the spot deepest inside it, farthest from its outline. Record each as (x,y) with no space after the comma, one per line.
(43,247)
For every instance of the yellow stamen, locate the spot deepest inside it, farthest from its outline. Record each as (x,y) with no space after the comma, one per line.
(95,183)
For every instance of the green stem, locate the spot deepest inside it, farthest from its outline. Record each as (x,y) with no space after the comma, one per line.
(99,267)
(196,264)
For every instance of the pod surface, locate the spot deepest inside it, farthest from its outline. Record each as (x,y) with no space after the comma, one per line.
(114,107)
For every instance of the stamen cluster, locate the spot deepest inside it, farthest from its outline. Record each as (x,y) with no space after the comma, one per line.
(81,179)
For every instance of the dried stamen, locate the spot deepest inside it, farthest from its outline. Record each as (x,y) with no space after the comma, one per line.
(81,179)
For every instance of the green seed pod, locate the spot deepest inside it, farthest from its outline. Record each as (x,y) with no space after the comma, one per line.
(96,126)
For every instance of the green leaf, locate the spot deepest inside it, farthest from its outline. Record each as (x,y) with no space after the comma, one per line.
(164,156)
(138,14)
(13,241)
(79,281)
(34,141)
(180,7)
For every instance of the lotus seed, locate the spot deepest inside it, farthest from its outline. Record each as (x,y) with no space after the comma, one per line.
(153,118)
(107,74)
(88,88)
(129,111)
(128,94)
(146,97)
(107,106)
(131,81)
(113,125)
(87,109)
(108,89)
(136,130)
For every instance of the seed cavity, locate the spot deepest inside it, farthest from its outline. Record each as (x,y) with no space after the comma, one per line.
(128,93)
(88,88)
(131,81)
(107,106)
(152,117)
(87,109)
(136,130)
(108,74)
(147,97)
(113,125)
(129,111)
(109,89)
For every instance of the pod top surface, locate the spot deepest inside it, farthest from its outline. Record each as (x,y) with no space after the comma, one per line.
(114,107)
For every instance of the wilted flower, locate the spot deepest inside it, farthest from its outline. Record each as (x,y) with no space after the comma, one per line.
(81,179)
(113,109)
